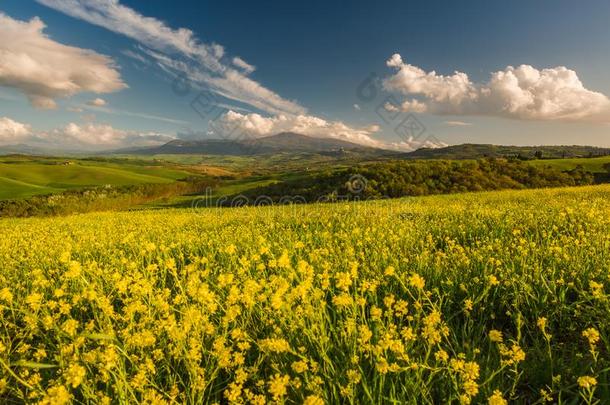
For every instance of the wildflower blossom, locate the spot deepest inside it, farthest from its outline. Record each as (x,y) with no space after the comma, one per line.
(278,386)
(495,336)
(587,381)
(417,281)
(497,399)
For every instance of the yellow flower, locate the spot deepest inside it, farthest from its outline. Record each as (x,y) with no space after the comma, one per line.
(497,399)
(342,300)
(382,366)
(471,388)
(313,400)
(70,327)
(300,366)
(284,260)
(596,289)
(587,381)
(278,386)
(541,322)
(389,271)
(493,281)
(233,392)
(274,345)
(470,371)
(354,376)
(495,336)
(417,281)
(513,355)
(6,295)
(74,270)
(592,335)
(75,375)
(34,300)
(58,395)
(465,399)
(344,280)
(441,356)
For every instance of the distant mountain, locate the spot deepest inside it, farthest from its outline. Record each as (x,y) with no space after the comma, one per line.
(282,142)
(477,151)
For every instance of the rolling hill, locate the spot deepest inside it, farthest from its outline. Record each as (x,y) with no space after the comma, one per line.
(22,177)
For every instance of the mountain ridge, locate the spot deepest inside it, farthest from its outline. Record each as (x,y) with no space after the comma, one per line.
(278,143)
(291,142)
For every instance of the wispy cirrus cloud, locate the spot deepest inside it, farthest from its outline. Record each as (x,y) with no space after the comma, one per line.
(108,110)
(179,51)
(458,123)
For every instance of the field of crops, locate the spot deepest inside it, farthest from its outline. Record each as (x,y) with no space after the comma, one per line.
(475,298)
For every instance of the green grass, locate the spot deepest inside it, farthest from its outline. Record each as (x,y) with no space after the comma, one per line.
(22,178)
(264,164)
(593,165)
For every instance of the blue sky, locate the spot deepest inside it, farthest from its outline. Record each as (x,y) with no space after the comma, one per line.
(317,53)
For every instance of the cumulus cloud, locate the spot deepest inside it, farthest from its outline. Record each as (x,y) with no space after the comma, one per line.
(98,102)
(256,126)
(522,92)
(45,70)
(82,137)
(93,136)
(12,131)
(204,64)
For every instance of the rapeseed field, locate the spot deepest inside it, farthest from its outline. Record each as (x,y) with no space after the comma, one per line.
(495,298)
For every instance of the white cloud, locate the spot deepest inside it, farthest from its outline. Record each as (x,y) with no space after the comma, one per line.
(12,131)
(523,92)
(242,64)
(412,106)
(92,136)
(201,63)
(135,55)
(98,102)
(102,108)
(78,137)
(233,124)
(45,70)
(458,123)
(357,107)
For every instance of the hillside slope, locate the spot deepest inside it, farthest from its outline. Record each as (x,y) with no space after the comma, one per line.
(25,177)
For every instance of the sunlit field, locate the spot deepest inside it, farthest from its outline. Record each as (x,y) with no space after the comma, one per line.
(476,298)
